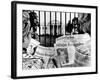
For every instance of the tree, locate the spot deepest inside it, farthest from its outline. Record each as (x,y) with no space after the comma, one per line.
(85,24)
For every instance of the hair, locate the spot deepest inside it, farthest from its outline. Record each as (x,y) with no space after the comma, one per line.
(85,24)
(25,24)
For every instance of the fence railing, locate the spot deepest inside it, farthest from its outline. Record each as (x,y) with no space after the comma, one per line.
(52,24)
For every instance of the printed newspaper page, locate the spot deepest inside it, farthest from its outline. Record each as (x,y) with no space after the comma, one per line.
(82,45)
(65,52)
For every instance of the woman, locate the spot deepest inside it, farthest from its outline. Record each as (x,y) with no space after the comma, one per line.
(28,43)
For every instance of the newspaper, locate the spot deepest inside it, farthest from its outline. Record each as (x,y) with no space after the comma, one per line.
(33,63)
(69,50)
(42,59)
(65,52)
(83,54)
(31,48)
(82,44)
(47,54)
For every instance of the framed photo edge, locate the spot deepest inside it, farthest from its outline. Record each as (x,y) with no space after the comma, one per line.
(14,39)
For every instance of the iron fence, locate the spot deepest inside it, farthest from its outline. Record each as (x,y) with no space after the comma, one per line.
(52,24)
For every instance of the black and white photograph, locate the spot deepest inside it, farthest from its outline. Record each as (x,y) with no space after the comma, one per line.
(42,28)
(54,39)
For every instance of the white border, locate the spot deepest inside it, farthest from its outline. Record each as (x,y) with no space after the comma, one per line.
(21,72)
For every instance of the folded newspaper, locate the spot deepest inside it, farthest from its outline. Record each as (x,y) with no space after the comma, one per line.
(31,48)
(65,52)
(80,47)
(69,50)
(47,54)
(43,58)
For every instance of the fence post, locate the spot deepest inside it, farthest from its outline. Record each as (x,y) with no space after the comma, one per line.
(39,28)
(45,25)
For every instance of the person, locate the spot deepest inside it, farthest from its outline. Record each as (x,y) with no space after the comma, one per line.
(75,26)
(62,56)
(26,29)
(69,27)
(85,24)
(28,42)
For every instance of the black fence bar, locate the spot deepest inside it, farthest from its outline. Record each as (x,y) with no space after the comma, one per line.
(55,27)
(55,23)
(50,28)
(74,14)
(45,25)
(70,17)
(65,23)
(39,28)
(60,23)
(78,15)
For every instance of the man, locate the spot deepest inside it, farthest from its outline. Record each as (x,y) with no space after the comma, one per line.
(75,26)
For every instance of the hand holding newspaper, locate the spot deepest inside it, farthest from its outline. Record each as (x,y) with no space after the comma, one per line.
(32,46)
